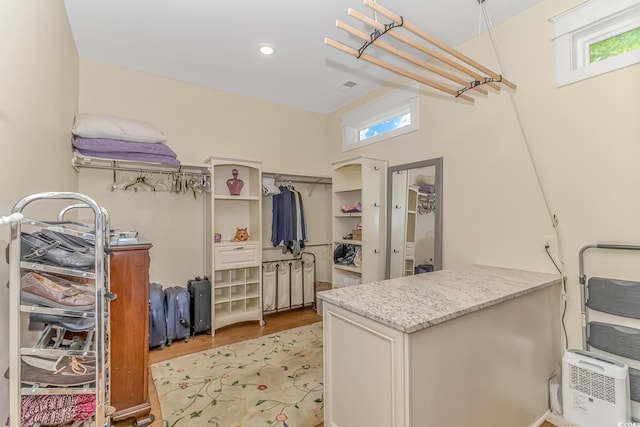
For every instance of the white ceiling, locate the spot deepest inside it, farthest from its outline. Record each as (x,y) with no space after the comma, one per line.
(214,43)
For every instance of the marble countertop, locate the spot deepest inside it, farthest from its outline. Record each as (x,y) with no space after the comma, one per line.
(412,303)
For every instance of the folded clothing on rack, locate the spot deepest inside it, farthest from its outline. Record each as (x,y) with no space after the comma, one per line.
(352,209)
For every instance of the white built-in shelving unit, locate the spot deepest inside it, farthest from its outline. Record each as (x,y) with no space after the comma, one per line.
(234,267)
(360,180)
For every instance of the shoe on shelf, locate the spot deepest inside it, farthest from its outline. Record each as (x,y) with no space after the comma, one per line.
(64,371)
(67,242)
(88,288)
(73,324)
(37,289)
(34,249)
(72,364)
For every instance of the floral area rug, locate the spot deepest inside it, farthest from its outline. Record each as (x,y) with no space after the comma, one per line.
(275,380)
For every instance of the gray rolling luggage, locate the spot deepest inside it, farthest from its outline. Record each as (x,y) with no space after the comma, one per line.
(200,293)
(177,308)
(157,317)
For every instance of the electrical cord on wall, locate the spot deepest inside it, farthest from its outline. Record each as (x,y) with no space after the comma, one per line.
(564,302)
(552,217)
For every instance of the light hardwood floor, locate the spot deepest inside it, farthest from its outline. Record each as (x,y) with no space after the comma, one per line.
(224,336)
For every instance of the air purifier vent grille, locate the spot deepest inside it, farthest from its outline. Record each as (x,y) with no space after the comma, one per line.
(592,384)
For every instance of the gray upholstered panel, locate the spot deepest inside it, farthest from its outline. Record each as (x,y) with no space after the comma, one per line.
(619,297)
(615,339)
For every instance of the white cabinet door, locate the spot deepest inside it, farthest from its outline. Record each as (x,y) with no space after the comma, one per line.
(374,394)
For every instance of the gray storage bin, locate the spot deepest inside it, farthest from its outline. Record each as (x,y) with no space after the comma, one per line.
(613,296)
(634,383)
(615,339)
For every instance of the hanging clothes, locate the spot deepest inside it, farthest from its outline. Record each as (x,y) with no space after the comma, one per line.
(288,227)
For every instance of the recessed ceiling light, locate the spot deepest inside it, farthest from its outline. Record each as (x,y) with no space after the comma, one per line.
(267,49)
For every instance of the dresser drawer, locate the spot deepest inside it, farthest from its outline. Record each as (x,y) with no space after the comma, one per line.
(236,255)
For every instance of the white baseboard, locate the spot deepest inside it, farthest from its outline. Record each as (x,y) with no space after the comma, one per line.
(540,420)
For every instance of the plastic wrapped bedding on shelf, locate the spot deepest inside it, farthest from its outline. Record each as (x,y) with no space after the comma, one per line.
(118,138)
(125,150)
(93,125)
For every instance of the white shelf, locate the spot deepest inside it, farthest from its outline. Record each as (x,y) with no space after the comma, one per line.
(240,198)
(349,215)
(345,189)
(235,265)
(349,242)
(82,161)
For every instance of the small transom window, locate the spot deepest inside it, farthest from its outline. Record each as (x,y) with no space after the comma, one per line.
(596,37)
(391,115)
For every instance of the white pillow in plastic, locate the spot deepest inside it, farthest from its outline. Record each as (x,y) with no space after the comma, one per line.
(90,125)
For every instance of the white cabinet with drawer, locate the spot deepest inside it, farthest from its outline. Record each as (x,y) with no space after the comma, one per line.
(236,255)
(234,204)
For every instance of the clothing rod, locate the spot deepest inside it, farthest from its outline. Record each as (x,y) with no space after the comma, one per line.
(145,169)
(298,258)
(273,248)
(117,165)
(300,179)
(294,181)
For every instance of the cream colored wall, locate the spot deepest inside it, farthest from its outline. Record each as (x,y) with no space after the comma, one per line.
(198,122)
(584,140)
(39,87)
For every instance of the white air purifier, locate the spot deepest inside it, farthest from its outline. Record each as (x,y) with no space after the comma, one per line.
(595,389)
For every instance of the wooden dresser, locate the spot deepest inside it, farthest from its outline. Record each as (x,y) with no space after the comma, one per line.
(130,333)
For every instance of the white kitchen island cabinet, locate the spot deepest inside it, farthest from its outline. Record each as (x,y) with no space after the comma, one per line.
(472,346)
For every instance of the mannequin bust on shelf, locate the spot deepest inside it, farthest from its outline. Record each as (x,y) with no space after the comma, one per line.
(235,184)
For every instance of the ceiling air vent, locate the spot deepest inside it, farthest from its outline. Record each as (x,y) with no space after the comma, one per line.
(346,85)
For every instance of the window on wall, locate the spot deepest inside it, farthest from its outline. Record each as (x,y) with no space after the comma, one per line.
(596,37)
(396,122)
(388,116)
(614,46)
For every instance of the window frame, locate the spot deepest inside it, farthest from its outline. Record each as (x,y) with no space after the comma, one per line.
(580,27)
(386,107)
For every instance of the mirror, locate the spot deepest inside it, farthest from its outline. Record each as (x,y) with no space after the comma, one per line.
(414,226)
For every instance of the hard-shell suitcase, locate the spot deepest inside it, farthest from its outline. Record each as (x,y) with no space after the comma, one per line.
(176,299)
(157,317)
(200,293)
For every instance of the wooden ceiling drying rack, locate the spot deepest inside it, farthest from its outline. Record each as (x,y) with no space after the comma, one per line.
(462,63)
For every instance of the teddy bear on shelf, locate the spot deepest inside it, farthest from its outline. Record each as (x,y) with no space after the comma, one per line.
(241,235)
